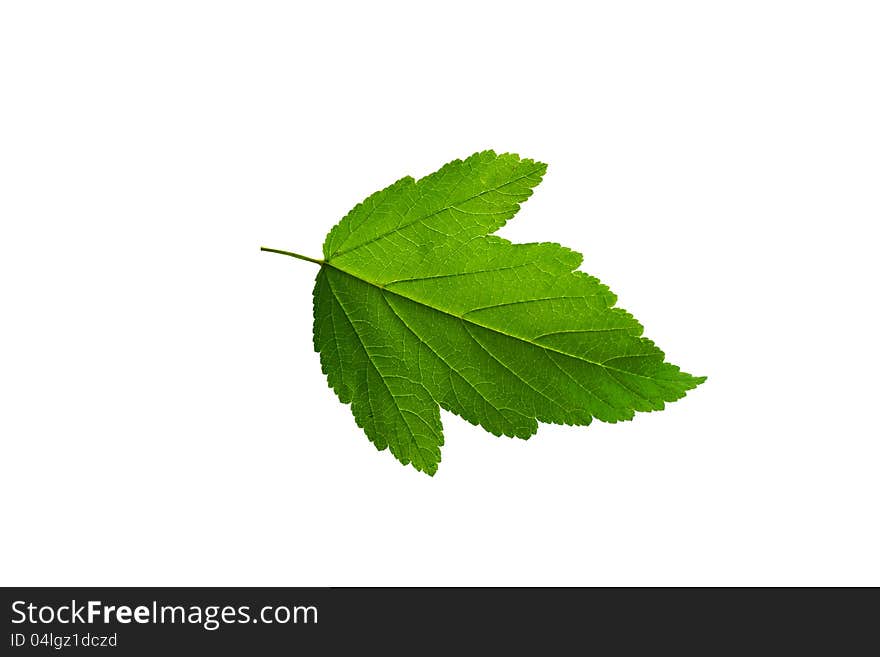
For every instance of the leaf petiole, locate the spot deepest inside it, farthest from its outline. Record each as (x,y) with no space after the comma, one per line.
(292,255)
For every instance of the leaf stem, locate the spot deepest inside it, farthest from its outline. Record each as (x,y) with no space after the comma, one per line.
(292,255)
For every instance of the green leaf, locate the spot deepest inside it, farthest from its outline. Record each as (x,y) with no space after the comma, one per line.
(418,307)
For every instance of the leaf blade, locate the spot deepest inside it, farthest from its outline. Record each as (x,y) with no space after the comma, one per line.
(392,408)
(417,307)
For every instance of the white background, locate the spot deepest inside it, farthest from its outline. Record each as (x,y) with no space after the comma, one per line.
(164,419)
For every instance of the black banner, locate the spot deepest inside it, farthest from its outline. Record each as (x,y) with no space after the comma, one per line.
(151,621)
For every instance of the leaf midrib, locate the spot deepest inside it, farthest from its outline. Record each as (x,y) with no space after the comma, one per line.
(493,329)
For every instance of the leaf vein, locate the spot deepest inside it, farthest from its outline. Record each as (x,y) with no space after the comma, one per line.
(340,253)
